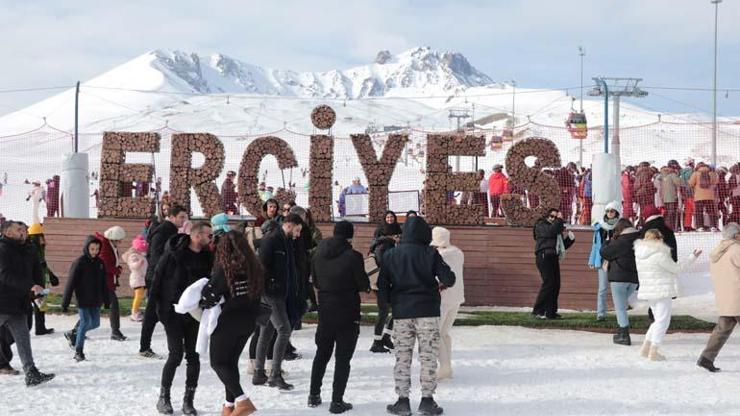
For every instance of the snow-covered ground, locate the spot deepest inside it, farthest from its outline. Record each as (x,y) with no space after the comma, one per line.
(498,371)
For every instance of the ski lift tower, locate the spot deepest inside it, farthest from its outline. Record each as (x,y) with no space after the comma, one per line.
(615,88)
(459,114)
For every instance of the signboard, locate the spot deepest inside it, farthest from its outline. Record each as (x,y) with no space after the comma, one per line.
(403,201)
(356,204)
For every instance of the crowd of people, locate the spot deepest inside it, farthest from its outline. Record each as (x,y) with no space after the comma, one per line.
(253,280)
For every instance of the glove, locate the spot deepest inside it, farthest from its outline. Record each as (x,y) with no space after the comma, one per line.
(53,279)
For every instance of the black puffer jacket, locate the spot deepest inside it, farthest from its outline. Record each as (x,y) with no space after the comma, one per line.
(277,255)
(157,240)
(87,280)
(658,223)
(546,236)
(177,269)
(20,269)
(621,256)
(413,267)
(339,276)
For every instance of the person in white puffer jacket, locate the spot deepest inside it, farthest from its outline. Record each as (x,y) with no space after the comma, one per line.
(452,297)
(657,273)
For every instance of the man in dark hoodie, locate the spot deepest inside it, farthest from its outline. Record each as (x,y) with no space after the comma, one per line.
(87,280)
(416,274)
(185,261)
(339,276)
(157,239)
(20,274)
(550,246)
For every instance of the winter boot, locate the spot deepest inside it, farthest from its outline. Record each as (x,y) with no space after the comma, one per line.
(148,353)
(243,408)
(259,378)
(429,407)
(444,373)
(118,336)
(645,350)
(34,377)
(654,355)
(339,407)
(41,328)
(164,406)
(277,380)
(227,410)
(387,343)
(378,347)
(622,337)
(314,400)
(71,337)
(401,408)
(707,365)
(7,370)
(187,402)
(79,355)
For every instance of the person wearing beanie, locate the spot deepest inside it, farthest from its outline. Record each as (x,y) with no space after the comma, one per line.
(339,276)
(724,268)
(416,273)
(220,225)
(49,279)
(135,258)
(704,183)
(668,184)
(229,195)
(603,231)
(452,297)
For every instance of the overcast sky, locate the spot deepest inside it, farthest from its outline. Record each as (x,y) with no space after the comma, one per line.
(666,42)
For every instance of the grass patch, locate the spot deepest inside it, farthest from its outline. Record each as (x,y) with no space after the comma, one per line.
(576,320)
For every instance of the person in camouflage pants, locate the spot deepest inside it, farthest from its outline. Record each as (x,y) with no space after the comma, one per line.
(416,275)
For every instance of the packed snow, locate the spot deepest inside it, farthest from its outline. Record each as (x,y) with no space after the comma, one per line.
(497,370)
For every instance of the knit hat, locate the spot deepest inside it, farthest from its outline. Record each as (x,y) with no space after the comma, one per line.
(613,205)
(219,223)
(440,237)
(115,233)
(139,244)
(344,229)
(35,229)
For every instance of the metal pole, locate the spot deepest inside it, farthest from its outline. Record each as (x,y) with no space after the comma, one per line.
(603,85)
(714,86)
(581,53)
(615,133)
(77,114)
(513,105)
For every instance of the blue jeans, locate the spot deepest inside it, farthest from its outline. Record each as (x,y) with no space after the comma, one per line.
(89,320)
(601,296)
(622,291)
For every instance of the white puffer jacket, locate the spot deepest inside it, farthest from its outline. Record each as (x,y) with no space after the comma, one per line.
(656,269)
(454,257)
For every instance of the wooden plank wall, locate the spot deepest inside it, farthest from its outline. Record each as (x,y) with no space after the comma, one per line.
(499,262)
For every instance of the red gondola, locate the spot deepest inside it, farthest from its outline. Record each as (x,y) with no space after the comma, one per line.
(577,125)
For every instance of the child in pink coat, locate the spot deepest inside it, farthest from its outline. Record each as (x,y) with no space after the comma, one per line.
(135,258)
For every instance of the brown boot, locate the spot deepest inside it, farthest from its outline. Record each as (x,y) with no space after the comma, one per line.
(244,408)
(654,355)
(227,410)
(645,350)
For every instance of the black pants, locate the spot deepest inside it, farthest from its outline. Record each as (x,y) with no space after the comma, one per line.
(6,353)
(384,309)
(226,348)
(40,318)
(547,299)
(147,325)
(182,334)
(345,338)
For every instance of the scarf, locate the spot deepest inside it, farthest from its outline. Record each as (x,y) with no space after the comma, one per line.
(608,224)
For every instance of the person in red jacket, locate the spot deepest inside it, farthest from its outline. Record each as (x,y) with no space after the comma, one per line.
(644,190)
(628,193)
(498,184)
(229,194)
(113,266)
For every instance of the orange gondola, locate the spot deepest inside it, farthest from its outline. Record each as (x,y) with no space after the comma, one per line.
(577,125)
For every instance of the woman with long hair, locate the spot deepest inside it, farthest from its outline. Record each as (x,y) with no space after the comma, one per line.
(386,236)
(238,278)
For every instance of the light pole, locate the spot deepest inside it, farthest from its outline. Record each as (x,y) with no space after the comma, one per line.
(513,104)
(714,85)
(581,53)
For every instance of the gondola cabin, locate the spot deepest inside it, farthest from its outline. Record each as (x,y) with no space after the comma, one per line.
(577,125)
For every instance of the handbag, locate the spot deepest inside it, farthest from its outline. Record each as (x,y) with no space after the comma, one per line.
(372,270)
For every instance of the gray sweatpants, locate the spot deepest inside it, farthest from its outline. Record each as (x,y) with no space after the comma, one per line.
(18,327)
(405,334)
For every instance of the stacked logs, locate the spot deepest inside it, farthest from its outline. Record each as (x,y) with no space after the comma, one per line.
(183,176)
(321,170)
(378,172)
(250,165)
(532,179)
(114,171)
(440,181)
(323,117)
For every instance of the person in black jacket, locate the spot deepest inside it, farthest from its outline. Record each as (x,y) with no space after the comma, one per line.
(20,275)
(157,239)
(551,241)
(416,274)
(277,256)
(655,221)
(339,276)
(386,236)
(622,274)
(238,278)
(185,261)
(87,282)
